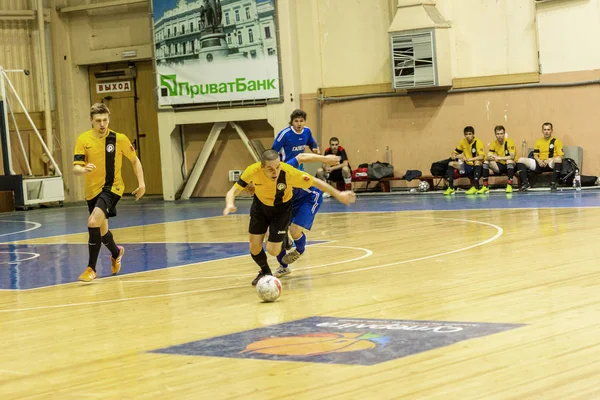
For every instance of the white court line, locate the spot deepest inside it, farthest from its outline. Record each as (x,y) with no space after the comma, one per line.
(88,303)
(35,226)
(5,371)
(35,255)
(104,278)
(368,253)
(496,236)
(112,230)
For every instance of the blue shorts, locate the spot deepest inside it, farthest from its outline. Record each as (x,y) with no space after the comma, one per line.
(305,208)
(468,169)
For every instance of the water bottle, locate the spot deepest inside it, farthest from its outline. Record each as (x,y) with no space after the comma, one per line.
(577,180)
(461,167)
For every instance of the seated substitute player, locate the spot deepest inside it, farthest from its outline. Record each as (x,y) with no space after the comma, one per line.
(272,206)
(306,204)
(547,157)
(293,140)
(501,158)
(470,151)
(340,172)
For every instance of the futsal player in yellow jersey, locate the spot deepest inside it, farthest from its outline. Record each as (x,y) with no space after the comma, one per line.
(470,151)
(547,157)
(501,158)
(98,156)
(271,208)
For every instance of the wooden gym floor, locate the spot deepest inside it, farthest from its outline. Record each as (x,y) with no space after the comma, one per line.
(396,297)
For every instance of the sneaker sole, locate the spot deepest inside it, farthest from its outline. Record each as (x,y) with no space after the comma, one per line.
(276,275)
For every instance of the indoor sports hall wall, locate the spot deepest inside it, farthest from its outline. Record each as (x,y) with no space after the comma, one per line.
(341,48)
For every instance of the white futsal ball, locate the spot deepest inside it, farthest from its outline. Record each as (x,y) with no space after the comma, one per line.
(268,288)
(423,186)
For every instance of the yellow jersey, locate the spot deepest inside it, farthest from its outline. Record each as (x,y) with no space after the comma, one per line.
(107,155)
(273,192)
(548,148)
(472,150)
(504,149)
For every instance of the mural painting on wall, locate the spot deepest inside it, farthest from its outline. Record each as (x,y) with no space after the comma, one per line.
(211,51)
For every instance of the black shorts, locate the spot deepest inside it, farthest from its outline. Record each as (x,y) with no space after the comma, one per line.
(106,201)
(502,168)
(336,175)
(275,219)
(539,170)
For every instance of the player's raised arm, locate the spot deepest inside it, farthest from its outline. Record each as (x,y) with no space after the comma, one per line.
(230,199)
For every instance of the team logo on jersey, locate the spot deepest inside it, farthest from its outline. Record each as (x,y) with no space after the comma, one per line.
(110,148)
(551,146)
(281,186)
(473,150)
(298,148)
(306,178)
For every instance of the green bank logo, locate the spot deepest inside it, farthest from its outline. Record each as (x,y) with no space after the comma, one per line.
(239,85)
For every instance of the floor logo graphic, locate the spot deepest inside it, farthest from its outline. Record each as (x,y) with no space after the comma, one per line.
(339,340)
(314,344)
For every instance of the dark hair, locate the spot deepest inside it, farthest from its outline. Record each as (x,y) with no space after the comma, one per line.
(334,139)
(297,114)
(499,128)
(469,129)
(268,155)
(548,123)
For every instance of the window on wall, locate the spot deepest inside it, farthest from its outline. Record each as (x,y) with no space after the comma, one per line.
(240,40)
(271,51)
(229,38)
(176,48)
(174,30)
(169,32)
(267,32)
(237,15)
(227,22)
(247,12)
(182,29)
(191,27)
(192,45)
(250,36)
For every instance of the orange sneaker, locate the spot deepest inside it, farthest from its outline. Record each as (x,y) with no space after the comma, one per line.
(116,263)
(88,275)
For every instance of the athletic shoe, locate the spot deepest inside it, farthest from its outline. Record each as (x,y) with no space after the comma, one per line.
(449,191)
(116,263)
(509,188)
(260,275)
(473,190)
(282,271)
(483,190)
(88,275)
(291,256)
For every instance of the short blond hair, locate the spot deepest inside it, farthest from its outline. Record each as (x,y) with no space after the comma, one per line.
(99,108)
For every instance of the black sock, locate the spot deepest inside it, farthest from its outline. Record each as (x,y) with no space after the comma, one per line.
(261,260)
(510,171)
(110,244)
(476,175)
(486,174)
(450,177)
(94,246)
(556,172)
(523,173)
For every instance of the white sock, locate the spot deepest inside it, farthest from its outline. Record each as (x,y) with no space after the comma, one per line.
(347,180)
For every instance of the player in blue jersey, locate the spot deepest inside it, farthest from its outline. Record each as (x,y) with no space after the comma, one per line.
(305,205)
(293,140)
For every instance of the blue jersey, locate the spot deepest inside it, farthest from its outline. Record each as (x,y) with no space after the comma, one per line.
(289,143)
(309,195)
